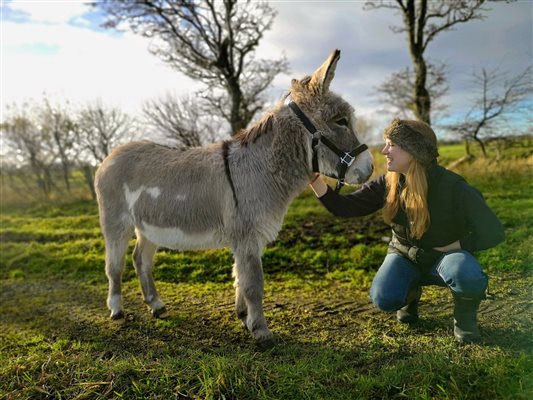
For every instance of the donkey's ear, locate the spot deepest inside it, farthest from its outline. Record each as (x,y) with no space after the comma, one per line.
(323,76)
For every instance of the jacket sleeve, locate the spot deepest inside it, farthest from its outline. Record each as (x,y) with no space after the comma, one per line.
(481,228)
(364,201)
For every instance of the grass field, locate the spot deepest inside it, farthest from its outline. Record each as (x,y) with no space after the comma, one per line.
(57,342)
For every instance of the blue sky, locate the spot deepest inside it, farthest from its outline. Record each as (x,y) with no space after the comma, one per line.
(58,48)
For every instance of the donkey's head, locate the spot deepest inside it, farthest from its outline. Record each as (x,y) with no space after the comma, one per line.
(337,150)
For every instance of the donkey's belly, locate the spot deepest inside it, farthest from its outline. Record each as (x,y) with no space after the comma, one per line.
(176,239)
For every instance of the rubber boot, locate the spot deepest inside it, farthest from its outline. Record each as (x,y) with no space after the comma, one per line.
(409,313)
(465,327)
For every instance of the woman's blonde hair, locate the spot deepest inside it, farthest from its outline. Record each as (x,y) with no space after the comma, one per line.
(411,194)
(419,140)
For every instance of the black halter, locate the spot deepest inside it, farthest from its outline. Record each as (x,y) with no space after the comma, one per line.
(345,158)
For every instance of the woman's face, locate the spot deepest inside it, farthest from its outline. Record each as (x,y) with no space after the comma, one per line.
(398,160)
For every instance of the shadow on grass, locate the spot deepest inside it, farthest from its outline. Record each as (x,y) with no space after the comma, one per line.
(204,319)
(331,343)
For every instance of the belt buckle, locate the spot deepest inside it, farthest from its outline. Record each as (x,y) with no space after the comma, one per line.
(413,253)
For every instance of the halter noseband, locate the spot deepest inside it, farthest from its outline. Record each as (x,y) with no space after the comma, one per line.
(345,158)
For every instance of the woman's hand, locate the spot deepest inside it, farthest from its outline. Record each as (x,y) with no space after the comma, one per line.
(318,185)
(452,246)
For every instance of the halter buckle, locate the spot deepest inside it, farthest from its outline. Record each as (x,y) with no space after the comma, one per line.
(347,159)
(340,184)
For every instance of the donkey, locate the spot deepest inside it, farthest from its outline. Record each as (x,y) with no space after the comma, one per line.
(233,193)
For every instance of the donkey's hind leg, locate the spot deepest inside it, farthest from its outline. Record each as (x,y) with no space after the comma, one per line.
(115,249)
(249,291)
(143,259)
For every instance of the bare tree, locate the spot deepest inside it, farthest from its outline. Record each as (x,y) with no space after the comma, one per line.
(210,41)
(56,124)
(398,90)
(99,129)
(32,146)
(46,136)
(498,98)
(423,21)
(185,122)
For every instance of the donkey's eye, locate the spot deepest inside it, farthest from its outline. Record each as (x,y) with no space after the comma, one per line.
(342,122)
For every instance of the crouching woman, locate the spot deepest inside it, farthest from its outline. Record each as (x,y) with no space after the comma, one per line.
(438,220)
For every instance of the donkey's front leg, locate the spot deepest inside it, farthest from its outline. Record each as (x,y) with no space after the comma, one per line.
(248,271)
(240,304)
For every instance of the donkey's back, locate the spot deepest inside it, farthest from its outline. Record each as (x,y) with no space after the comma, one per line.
(176,199)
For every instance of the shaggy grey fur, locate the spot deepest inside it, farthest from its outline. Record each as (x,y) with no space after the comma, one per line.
(183,199)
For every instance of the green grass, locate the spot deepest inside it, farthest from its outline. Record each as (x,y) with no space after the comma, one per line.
(508,190)
(56,341)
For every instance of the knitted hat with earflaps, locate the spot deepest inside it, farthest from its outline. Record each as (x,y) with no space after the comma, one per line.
(415,137)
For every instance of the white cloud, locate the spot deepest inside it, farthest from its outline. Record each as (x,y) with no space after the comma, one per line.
(49,54)
(50,11)
(81,65)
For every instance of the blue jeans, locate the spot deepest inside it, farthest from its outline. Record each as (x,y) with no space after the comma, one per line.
(459,270)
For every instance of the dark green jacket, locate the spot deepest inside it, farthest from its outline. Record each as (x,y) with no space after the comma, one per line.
(457,212)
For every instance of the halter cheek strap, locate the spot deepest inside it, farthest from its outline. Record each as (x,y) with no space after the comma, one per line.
(315,135)
(346,159)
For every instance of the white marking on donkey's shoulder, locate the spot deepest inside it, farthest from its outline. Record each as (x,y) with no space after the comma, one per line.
(132,196)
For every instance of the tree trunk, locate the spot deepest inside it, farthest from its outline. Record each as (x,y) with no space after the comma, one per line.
(467,147)
(415,23)
(237,119)
(42,183)
(481,145)
(89,179)
(66,176)
(422,99)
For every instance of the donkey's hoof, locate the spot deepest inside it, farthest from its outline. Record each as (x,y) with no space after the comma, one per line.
(264,339)
(160,313)
(118,317)
(266,344)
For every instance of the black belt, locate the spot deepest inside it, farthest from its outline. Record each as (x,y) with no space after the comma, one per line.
(413,253)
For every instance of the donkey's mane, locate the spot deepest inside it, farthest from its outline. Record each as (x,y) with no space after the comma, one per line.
(251,134)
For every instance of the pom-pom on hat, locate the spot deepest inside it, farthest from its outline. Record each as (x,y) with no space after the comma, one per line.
(415,137)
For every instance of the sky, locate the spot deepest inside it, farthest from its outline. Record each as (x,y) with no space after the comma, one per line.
(58,49)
